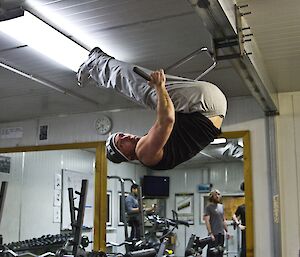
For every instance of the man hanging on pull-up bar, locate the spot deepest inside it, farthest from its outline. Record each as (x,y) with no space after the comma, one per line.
(189,113)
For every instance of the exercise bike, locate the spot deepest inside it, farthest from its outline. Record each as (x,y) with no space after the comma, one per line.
(195,247)
(156,239)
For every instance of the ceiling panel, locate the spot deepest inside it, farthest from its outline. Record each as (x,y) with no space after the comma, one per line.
(154,34)
(276,28)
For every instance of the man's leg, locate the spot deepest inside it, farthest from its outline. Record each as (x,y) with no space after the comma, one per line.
(187,95)
(211,244)
(243,248)
(220,239)
(110,73)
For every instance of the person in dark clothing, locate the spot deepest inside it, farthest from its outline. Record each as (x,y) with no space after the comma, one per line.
(239,217)
(132,209)
(189,113)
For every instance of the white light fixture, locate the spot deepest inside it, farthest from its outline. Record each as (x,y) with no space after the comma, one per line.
(218,141)
(35,33)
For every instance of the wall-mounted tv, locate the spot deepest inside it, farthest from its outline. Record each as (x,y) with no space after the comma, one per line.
(155,186)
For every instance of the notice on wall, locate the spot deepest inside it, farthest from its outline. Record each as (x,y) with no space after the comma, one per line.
(4,164)
(9,133)
(276,208)
(56,215)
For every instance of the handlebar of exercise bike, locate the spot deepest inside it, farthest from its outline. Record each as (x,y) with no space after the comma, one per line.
(150,252)
(195,245)
(165,221)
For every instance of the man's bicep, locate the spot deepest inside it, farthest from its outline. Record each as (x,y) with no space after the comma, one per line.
(155,140)
(206,218)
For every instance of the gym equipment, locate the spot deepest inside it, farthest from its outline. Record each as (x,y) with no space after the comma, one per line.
(140,214)
(2,197)
(161,228)
(141,73)
(182,61)
(67,244)
(156,238)
(195,246)
(150,252)
(40,245)
(76,245)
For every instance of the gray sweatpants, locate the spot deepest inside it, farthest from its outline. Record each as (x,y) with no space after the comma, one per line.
(187,95)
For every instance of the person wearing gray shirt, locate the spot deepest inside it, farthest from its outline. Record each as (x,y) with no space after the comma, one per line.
(215,223)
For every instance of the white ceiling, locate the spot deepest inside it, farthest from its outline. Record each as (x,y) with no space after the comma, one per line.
(276,28)
(153,34)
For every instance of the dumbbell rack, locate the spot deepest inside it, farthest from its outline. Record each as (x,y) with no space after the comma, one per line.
(77,222)
(2,198)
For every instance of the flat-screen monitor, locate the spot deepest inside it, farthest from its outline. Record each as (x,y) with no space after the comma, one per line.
(155,186)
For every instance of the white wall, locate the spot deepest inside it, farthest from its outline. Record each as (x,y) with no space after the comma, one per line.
(243,114)
(186,180)
(77,128)
(28,209)
(10,222)
(288,127)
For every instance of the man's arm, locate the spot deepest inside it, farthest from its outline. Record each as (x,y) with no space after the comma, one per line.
(206,219)
(225,227)
(149,149)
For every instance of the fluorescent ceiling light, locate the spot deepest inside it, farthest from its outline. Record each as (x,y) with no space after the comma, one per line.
(32,31)
(218,141)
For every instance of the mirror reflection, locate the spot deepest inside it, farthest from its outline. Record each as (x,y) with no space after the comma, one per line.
(220,166)
(37,204)
(36,209)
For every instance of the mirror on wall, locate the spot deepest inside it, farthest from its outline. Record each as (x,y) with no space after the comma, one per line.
(37,204)
(220,165)
(30,201)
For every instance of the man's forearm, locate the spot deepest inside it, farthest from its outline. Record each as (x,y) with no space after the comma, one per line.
(208,227)
(165,107)
(225,226)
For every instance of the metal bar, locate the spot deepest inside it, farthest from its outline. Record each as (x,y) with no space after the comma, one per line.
(274,202)
(44,82)
(183,60)
(191,56)
(141,213)
(226,44)
(130,179)
(72,209)
(219,26)
(214,64)
(2,197)
(123,213)
(228,56)
(80,216)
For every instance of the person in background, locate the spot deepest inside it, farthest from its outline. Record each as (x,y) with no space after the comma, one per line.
(132,209)
(216,224)
(239,217)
